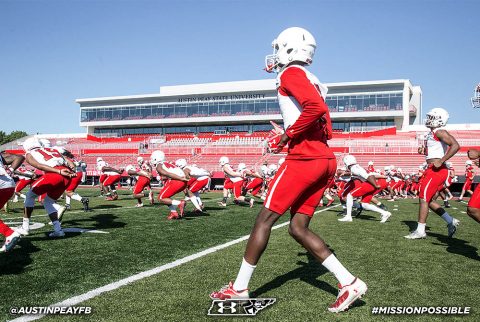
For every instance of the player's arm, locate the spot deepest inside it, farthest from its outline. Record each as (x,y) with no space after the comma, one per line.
(34,163)
(70,163)
(167,174)
(13,160)
(230,172)
(449,140)
(371,179)
(110,169)
(187,173)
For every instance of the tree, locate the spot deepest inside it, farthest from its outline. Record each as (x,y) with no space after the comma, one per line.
(14,135)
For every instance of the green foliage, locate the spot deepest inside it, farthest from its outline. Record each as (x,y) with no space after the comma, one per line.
(14,135)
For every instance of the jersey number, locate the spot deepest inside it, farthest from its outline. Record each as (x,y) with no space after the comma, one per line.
(49,153)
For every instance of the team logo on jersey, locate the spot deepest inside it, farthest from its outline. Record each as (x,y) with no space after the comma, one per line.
(248,307)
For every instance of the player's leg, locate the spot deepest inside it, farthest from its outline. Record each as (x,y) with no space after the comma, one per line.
(237,193)
(473,209)
(171,188)
(11,237)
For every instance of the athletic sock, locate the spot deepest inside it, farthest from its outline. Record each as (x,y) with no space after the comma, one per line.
(67,200)
(349,205)
(448,219)
(56,225)
(193,199)
(421,228)
(175,203)
(244,275)
(26,223)
(343,276)
(370,207)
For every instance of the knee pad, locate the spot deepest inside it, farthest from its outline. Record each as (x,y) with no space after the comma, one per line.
(30,199)
(48,205)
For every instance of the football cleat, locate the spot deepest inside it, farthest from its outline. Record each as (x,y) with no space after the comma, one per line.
(346,218)
(22,231)
(85,202)
(67,206)
(223,204)
(60,213)
(57,234)
(109,198)
(228,293)
(139,205)
(416,235)
(173,215)
(385,216)
(452,228)
(347,295)
(10,242)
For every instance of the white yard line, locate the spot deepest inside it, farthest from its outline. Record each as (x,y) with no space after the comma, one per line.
(115,285)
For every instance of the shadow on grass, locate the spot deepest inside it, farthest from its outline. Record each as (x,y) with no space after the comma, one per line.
(456,246)
(106,207)
(367,217)
(102,221)
(412,225)
(17,259)
(308,272)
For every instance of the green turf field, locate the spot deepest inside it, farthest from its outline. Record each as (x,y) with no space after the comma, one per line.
(434,272)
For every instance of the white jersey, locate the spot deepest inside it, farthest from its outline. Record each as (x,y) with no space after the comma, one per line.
(435,149)
(198,173)
(26,172)
(358,172)
(48,156)
(169,167)
(289,106)
(232,178)
(101,164)
(5,180)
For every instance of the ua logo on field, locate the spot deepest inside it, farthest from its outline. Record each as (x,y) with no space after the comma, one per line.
(230,306)
(247,307)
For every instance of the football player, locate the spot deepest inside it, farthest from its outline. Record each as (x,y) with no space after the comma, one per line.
(25,177)
(473,209)
(364,186)
(111,176)
(57,176)
(7,189)
(301,180)
(469,176)
(199,179)
(143,175)
(234,180)
(439,146)
(176,181)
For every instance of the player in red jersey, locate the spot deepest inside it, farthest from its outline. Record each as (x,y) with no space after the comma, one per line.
(109,178)
(199,179)
(301,180)
(439,146)
(7,189)
(175,183)
(473,209)
(234,181)
(363,185)
(143,174)
(57,176)
(74,183)
(370,168)
(469,176)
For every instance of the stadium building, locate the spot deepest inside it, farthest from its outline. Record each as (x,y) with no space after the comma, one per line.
(247,106)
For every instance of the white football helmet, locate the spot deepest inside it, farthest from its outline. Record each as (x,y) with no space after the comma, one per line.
(399,169)
(468,162)
(99,159)
(448,164)
(292,44)
(420,167)
(139,160)
(349,160)
(181,163)
(157,157)
(242,166)
(60,149)
(436,117)
(370,162)
(31,144)
(280,162)
(223,161)
(45,143)
(129,168)
(272,167)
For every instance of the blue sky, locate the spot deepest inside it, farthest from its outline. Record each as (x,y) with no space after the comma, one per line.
(54,52)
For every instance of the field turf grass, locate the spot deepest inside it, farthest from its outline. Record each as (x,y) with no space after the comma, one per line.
(437,271)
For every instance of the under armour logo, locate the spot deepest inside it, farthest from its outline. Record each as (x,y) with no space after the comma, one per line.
(231,306)
(247,307)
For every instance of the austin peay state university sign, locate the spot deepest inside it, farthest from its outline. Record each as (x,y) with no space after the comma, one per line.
(220,97)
